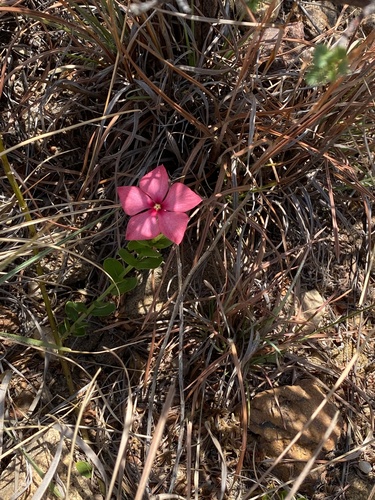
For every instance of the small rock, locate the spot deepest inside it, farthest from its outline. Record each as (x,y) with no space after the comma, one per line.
(364,467)
(313,309)
(320,16)
(277,415)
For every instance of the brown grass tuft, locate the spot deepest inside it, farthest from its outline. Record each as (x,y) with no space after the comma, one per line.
(94,95)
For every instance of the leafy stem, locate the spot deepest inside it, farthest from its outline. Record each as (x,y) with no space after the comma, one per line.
(139,255)
(97,308)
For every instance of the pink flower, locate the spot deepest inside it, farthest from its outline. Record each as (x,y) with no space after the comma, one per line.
(155,207)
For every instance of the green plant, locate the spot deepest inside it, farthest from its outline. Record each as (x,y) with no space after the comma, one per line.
(139,255)
(84,468)
(328,64)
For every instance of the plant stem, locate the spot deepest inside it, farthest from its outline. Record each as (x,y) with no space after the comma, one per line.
(33,234)
(101,297)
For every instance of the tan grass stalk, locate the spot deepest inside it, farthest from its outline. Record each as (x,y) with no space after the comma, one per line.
(224,468)
(83,404)
(5,380)
(157,435)
(310,463)
(119,467)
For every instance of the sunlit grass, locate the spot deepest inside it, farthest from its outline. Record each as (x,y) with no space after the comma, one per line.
(95,96)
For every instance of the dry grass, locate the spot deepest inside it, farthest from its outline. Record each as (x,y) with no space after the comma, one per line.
(93,97)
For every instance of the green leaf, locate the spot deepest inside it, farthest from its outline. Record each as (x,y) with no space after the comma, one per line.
(142,263)
(114,268)
(127,257)
(84,468)
(328,64)
(149,263)
(116,271)
(125,286)
(253,5)
(159,242)
(137,245)
(149,252)
(101,309)
(64,327)
(142,249)
(79,330)
(73,310)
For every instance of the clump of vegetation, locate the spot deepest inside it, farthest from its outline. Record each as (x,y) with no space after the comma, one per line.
(139,363)
(328,65)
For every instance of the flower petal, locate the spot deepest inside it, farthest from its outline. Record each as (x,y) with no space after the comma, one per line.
(133,200)
(173,225)
(180,198)
(143,226)
(155,184)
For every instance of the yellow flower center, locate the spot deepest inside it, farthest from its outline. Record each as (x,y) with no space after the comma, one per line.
(157,206)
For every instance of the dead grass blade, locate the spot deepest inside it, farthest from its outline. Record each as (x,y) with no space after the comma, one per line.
(157,435)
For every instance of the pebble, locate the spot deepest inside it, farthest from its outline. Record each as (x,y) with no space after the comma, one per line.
(364,467)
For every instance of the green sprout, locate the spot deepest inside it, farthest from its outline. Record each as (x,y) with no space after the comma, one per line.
(328,64)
